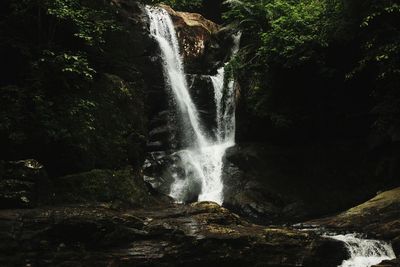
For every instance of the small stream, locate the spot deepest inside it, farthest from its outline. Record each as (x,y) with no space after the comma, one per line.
(364,252)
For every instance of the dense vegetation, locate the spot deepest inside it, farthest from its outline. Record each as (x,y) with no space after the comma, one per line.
(321,77)
(314,62)
(62,74)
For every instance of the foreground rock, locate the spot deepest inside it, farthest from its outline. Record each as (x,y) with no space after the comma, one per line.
(392,263)
(378,218)
(276,183)
(23,184)
(198,235)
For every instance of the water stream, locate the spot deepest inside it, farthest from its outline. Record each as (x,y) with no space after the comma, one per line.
(364,252)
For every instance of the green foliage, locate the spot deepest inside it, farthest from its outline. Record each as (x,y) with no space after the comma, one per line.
(90,24)
(54,107)
(298,53)
(285,30)
(75,65)
(381,52)
(295,27)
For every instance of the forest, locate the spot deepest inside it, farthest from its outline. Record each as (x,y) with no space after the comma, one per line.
(195,132)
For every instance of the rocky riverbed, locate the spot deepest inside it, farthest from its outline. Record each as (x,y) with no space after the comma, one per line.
(377,218)
(111,218)
(170,235)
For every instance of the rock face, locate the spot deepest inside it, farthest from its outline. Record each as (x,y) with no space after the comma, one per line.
(378,217)
(23,184)
(197,235)
(122,188)
(251,189)
(194,32)
(202,92)
(296,182)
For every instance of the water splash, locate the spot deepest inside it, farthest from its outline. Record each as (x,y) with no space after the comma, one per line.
(201,162)
(364,252)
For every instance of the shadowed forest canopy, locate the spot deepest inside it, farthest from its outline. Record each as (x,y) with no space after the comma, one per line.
(61,75)
(313,62)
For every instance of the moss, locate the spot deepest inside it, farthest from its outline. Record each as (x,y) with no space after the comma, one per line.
(217,229)
(121,186)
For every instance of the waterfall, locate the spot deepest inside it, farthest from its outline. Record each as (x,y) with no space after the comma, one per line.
(224,95)
(364,252)
(201,161)
(162,29)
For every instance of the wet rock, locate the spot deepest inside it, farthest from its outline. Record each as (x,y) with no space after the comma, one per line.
(194,31)
(158,170)
(16,194)
(378,217)
(204,45)
(23,184)
(309,181)
(170,235)
(122,187)
(250,190)
(202,92)
(392,263)
(163,130)
(162,169)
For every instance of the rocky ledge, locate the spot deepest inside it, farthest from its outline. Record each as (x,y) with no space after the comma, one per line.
(378,218)
(168,235)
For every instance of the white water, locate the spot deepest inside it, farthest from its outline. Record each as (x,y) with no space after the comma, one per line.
(364,252)
(162,29)
(202,159)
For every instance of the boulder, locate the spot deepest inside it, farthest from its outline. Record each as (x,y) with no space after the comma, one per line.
(252,188)
(378,218)
(23,184)
(204,44)
(121,188)
(302,181)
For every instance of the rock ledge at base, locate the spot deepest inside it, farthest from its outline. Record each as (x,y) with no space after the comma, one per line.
(199,234)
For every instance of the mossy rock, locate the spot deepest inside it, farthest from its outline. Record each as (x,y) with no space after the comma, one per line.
(23,184)
(120,187)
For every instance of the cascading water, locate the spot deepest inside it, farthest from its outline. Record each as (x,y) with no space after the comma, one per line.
(201,160)
(225,101)
(364,252)
(162,29)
